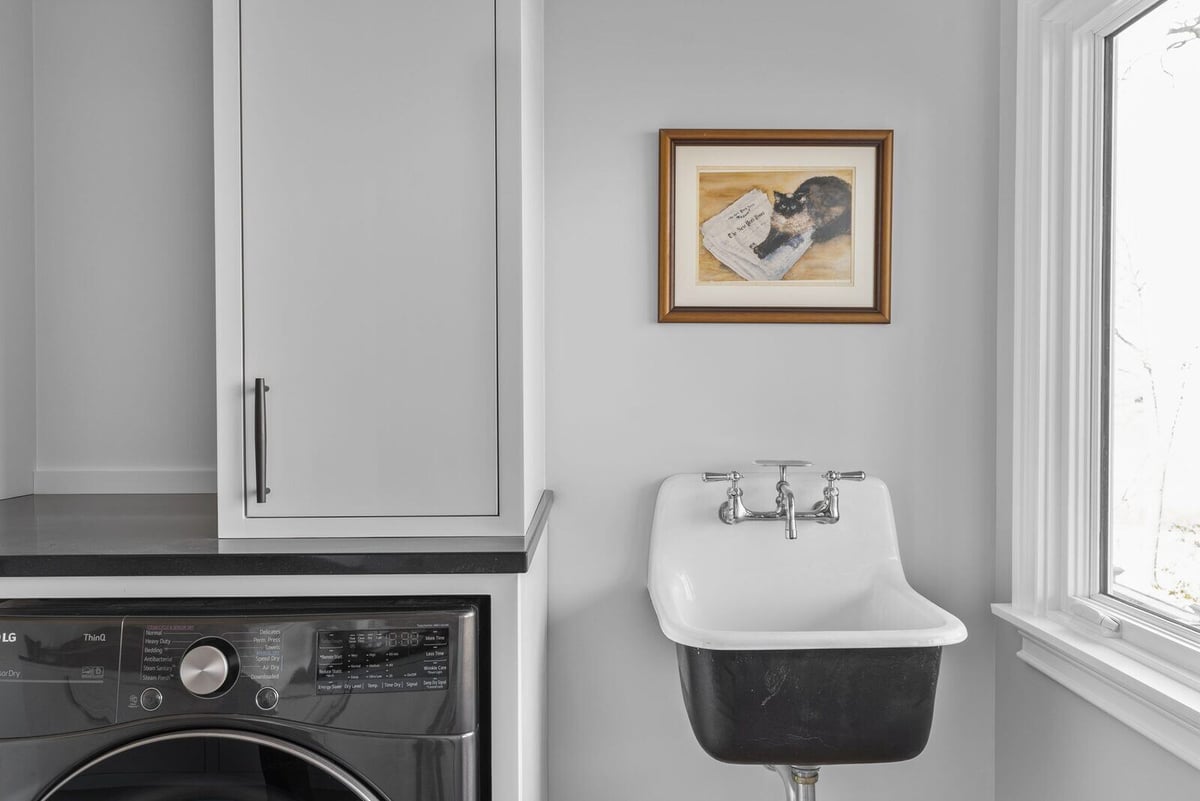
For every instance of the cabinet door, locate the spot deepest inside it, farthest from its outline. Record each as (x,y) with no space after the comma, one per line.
(369,255)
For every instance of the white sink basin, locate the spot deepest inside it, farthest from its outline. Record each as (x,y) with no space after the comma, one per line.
(805,652)
(747,587)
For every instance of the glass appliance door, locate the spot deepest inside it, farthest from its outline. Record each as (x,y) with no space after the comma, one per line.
(211,765)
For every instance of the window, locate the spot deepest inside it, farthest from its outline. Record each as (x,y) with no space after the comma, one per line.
(1152,130)
(1105,481)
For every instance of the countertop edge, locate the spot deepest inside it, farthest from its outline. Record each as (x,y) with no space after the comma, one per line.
(284,564)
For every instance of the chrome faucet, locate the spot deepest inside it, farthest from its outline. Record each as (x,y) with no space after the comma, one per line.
(826,510)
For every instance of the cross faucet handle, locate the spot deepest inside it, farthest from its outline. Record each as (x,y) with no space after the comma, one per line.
(853,475)
(732,476)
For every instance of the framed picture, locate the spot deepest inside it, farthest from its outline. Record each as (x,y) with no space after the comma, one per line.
(774,226)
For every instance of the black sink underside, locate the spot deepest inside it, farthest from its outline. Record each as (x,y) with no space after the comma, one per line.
(810,707)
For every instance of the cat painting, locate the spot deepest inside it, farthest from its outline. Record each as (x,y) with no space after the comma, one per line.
(819,208)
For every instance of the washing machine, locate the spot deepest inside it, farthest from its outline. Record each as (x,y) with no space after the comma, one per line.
(255,700)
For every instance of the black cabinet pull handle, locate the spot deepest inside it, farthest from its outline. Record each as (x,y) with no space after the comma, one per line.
(260,439)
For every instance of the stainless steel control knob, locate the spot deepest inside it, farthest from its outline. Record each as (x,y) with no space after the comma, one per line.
(208,668)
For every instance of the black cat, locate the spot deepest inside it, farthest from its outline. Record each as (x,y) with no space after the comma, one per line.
(819,208)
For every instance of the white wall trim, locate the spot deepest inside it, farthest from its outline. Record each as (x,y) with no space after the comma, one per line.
(1056,426)
(533,253)
(172,480)
(1151,703)
(227,216)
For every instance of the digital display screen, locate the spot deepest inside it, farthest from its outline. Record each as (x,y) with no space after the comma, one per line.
(383,660)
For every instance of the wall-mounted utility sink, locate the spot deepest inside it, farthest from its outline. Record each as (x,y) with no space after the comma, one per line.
(800,652)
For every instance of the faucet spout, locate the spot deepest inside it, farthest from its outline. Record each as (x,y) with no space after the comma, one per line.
(789,510)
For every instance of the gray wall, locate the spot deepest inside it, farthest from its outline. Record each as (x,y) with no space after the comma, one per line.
(17,444)
(631,401)
(1052,744)
(124,200)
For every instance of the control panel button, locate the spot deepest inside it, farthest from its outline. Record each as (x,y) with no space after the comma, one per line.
(267,698)
(151,699)
(209,667)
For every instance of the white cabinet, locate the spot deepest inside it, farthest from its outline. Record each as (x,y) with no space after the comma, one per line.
(369,255)
(378,266)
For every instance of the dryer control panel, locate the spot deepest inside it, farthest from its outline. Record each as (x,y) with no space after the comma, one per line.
(396,671)
(257,647)
(58,676)
(383,660)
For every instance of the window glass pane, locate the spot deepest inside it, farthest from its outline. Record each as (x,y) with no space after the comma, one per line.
(1154,328)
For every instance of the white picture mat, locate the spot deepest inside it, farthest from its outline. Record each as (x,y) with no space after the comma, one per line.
(691,159)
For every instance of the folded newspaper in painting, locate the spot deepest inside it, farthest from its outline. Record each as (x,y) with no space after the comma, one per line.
(732,234)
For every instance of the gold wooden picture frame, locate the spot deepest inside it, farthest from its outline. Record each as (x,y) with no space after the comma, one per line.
(774,226)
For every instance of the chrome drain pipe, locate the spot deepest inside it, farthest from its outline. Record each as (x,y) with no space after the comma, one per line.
(800,784)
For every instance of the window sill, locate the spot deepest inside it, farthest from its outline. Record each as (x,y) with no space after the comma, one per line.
(1152,703)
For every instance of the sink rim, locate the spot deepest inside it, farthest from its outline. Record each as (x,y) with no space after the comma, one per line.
(949,631)
(667,582)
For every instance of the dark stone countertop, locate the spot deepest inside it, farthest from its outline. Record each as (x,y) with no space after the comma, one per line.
(169,535)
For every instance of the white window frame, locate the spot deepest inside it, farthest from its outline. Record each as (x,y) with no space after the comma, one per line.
(1140,668)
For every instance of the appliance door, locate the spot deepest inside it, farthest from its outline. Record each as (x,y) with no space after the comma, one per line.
(211,765)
